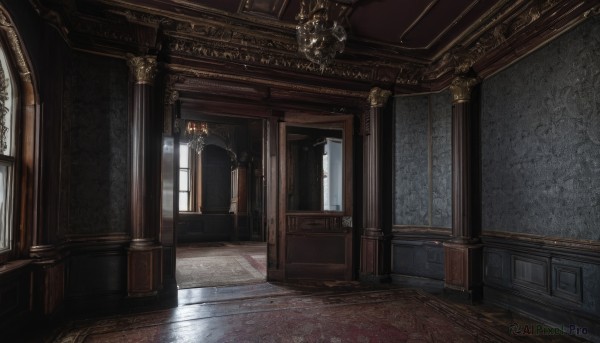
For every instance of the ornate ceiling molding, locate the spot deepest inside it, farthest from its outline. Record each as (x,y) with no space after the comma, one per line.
(507,28)
(198,34)
(185,75)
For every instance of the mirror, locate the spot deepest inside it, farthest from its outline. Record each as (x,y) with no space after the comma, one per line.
(314,169)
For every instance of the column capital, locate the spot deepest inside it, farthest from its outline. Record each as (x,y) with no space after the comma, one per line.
(378,97)
(461,88)
(143,68)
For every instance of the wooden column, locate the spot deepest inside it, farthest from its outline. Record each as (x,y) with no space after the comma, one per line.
(375,242)
(463,252)
(144,257)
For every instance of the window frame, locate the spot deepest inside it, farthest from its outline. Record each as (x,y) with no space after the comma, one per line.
(11,156)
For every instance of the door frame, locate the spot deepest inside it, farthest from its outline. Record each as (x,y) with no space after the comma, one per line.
(280,253)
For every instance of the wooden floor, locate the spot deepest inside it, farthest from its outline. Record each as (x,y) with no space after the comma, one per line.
(303,312)
(319,312)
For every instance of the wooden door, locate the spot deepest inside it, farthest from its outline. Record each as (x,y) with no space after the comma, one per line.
(315,197)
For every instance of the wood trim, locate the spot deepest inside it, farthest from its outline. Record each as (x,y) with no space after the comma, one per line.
(424,230)
(518,240)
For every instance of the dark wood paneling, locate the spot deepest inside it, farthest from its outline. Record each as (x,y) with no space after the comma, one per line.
(204,227)
(15,295)
(530,273)
(96,271)
(422,258)
(551,278)
(314,224)
(316,249)
(566,281)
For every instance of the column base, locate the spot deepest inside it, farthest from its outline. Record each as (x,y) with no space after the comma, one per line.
(144,271)
(374,256)
(463,270)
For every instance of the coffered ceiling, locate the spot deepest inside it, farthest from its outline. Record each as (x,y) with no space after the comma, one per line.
(403,45)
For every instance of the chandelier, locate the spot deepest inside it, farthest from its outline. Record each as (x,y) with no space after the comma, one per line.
(196,133)
(319,39)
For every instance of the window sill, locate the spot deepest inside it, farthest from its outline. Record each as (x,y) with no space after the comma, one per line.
(13,266)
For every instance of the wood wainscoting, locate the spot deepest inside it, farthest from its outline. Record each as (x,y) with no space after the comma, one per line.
(418,252)
(552,279)
(318,247)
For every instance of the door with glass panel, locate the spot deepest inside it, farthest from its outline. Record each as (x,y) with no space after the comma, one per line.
(315,200)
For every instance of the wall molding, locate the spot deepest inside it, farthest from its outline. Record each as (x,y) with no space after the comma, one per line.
(587,250)
(551,279)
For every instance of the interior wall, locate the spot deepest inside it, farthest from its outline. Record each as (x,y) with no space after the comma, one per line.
(423,161)
(422,184)
(98,135)
(540,143)
(541,140)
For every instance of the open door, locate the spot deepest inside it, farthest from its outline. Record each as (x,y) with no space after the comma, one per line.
(315,198)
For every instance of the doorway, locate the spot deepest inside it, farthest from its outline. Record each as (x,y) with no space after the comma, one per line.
(316,198)
(220,238)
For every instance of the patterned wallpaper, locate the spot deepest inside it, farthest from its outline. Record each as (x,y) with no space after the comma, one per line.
(441,167)
(98,145)
(423,196)
(541,140)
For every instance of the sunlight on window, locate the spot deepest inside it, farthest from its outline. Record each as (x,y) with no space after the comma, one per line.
(184,177)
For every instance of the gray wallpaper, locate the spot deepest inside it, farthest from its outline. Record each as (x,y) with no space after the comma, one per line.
(423,196)
(98,145)
(541,140)
(411,193)
(441,154)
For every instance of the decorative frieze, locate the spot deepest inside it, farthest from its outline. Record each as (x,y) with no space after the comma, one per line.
(221,50)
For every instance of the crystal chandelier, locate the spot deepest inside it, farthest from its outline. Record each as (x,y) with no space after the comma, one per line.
(319,39)
(196,132)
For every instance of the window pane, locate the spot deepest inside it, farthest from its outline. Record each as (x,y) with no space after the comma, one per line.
(184,181)
(183,201)
(5,224)
(184,156)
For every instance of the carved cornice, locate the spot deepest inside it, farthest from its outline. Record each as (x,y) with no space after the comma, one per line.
(460,88)
(289,85)
(197,32)
(505,28)
(378,97)
(143,68)
(15,44)
(248,55)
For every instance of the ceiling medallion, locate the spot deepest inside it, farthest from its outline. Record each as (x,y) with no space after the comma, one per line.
(319,38)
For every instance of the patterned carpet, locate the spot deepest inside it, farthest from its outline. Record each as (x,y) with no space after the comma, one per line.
(220,270)
(396,315)
(220,264)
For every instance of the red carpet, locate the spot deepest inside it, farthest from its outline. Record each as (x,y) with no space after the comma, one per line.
(402,315)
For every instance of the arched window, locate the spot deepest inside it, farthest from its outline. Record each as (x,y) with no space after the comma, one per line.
(8,150)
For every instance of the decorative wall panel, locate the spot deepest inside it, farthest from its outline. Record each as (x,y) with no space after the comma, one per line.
(530,273)
(541,140)
(411,161)
(523,272)
(441,160)
(423,160)
(421,258)
(99,143)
